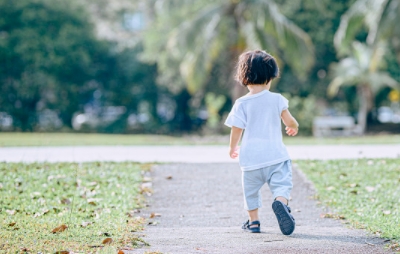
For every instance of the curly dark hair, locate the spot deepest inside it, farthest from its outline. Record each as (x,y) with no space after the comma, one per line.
(256,68)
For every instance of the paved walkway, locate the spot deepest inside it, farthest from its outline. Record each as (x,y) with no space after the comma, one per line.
(201,206)
(185,154)
(201,211)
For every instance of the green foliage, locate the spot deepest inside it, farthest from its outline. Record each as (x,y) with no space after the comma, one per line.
(364,192)
(48,55)
(91,199)
(304,110)
(204,32)
(320,20)
(214,104)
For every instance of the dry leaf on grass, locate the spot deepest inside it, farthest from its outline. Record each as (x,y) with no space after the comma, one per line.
(12,224)
(59,229)
(147,179)
(121,252)
(62,252)
(11,212)
(86,223)
(132,213)
(92,184)
(65,201)
(168,177)
(108,240)
(152,215)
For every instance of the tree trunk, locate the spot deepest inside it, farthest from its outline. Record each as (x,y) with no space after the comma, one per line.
(365,106)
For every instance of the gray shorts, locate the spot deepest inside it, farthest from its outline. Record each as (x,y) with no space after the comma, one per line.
(278,177)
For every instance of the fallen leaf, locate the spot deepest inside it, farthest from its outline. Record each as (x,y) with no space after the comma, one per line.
(92,184)
(107,240)
(121,252)
(12,224)
(297,210)
(152,215)
(91,201)
(153,223)
(86,223)
(352,185)
(59,229)
(370,189)
(146,179)
(25,249)
(146,185)
(132,213)
(168,177)
(65,201)
(11,212)
(62,252)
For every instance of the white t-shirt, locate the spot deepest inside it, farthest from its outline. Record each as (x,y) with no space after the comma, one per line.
(260,117)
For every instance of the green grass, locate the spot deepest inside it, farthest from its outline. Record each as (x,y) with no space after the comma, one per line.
(80,139)
(37,198)
(364,192)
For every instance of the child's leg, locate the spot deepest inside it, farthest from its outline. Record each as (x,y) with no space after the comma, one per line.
(252,182)
(282,199)
(280,181)
(253,216)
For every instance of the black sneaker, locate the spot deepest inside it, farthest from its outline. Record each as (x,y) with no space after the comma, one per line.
(285,219)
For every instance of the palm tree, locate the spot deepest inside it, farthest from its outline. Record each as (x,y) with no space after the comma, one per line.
(380,17)
(363,70)
(196,34)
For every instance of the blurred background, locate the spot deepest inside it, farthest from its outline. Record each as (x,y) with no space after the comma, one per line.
(167,66)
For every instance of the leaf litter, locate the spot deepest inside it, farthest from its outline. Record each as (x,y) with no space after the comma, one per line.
(74,186)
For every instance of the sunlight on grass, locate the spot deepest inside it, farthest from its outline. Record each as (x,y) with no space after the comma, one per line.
(80,139)
(365,192)
(93,200)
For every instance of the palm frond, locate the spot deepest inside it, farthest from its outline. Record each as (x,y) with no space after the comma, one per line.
(362,12)
(296,45)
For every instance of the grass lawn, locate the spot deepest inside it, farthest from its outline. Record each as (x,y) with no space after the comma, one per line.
(79,139)
(364,192)
(95,201)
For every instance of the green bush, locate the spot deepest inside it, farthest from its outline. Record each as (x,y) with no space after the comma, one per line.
(304,110)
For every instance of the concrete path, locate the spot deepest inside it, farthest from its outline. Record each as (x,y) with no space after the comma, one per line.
(184,154)
(201,206)
(201,211)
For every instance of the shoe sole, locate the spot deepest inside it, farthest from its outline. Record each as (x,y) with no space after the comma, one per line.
(286,223)
(251,231)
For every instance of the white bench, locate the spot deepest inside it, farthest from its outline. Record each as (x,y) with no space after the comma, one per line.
(329,126)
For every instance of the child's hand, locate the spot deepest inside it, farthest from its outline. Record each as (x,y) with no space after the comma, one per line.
(291,131)
(233,152)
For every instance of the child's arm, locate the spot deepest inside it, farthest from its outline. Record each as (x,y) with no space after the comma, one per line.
(292,126)
(236,134)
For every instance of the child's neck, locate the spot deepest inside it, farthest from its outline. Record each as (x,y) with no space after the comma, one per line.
(254,89)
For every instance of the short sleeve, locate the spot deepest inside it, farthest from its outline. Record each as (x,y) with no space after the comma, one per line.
(236,117)
(283,103)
